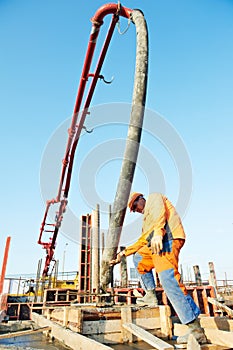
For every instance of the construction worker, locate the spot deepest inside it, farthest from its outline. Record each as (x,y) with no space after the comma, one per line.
(158,247)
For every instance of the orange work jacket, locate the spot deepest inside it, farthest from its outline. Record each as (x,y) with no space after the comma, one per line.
(161,217)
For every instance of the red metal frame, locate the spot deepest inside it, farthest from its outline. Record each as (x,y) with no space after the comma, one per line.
(85,258)
(75,129)
(4,263)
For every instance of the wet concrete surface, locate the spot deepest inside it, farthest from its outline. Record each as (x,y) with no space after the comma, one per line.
(31,342)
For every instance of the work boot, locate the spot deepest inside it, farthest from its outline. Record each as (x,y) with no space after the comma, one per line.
(196,330)
(149,299)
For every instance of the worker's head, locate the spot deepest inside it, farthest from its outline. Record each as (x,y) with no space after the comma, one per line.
(134,199)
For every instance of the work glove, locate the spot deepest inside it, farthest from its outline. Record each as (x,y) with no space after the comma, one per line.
(156,244)
(118,258)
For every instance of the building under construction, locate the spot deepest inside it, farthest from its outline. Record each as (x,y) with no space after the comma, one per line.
(74,310)
(92,310)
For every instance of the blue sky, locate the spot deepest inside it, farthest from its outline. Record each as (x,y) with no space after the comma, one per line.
(190,88)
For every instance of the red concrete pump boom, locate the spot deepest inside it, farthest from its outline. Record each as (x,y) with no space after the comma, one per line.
(77,125)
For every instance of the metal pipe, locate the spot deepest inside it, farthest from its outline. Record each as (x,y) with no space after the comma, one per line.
(75,130)
(212,278)
(86,257)
(123,271)
(108,9)
(88,101)
(37,279)
(95,249)
(4,263)
(197,275)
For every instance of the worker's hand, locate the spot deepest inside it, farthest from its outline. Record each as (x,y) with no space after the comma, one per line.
(117,260)
(156,244)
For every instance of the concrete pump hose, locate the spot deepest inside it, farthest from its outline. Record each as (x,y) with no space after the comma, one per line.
(131,149)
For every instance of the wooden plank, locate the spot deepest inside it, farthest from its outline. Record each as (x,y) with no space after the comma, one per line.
(149,318)
(221,323)
(165,321)
(195,297)
(74,340)
(221,306)
(193,343)
(65,316)
(23,333)
(147,337)
(108,339)
(218,337)
(205,302)
(49,314)
(79,315)
(114,326)
(95,313)
(146,312)
(126,317)
(213,347)
(148,323)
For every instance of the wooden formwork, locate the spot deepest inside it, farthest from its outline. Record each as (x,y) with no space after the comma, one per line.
(92,328)
(105,324)
(98,328)
(66,297)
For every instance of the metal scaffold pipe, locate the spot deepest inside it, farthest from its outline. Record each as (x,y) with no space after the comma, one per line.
(95,249)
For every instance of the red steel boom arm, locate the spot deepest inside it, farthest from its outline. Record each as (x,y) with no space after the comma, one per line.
(75,129)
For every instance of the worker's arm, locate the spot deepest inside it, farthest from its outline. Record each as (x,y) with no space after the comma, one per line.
(118,258)
(135,247)
(129,250)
